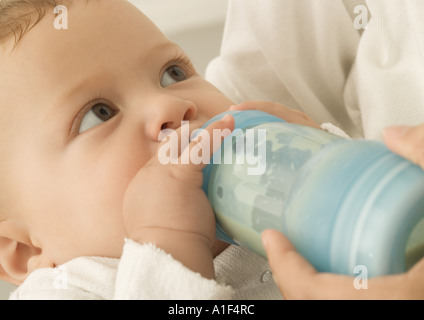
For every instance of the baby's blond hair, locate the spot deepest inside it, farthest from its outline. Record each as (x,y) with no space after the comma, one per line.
(19,16)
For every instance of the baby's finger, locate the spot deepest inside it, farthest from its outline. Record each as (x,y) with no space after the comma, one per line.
(171,143)
(201,148)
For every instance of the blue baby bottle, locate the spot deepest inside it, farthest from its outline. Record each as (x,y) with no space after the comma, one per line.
(343,203)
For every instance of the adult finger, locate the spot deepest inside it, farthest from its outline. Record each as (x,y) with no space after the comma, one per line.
(288,267)
(407,142)
(298,279)
(278,110)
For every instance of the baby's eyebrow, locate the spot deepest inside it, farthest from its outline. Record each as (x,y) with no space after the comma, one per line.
(167,46)
(83,84)
(104,76)
(74,89)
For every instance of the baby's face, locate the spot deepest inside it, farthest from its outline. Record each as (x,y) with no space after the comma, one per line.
(81,113)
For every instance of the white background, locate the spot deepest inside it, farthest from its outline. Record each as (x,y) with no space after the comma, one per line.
(196,25)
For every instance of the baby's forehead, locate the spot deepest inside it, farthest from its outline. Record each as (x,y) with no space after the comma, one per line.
(93,20)
(90,35)
(101,35)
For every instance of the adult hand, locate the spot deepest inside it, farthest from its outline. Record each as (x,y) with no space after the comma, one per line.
(407,142)
(297,278)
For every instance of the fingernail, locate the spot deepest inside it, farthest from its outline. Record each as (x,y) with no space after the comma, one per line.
(395,132)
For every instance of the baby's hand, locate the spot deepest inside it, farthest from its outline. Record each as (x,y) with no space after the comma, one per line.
(278,110)
(165,205)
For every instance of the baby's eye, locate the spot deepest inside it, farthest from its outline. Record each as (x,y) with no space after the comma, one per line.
(172,75)
(97,115)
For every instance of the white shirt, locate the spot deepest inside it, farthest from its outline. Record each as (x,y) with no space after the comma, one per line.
(313,55)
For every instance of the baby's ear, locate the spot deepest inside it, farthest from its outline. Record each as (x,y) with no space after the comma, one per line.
(18,256)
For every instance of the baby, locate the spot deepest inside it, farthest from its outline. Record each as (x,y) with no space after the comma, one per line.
(82,110)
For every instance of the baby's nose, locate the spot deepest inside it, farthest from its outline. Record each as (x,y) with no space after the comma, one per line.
(169,115)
